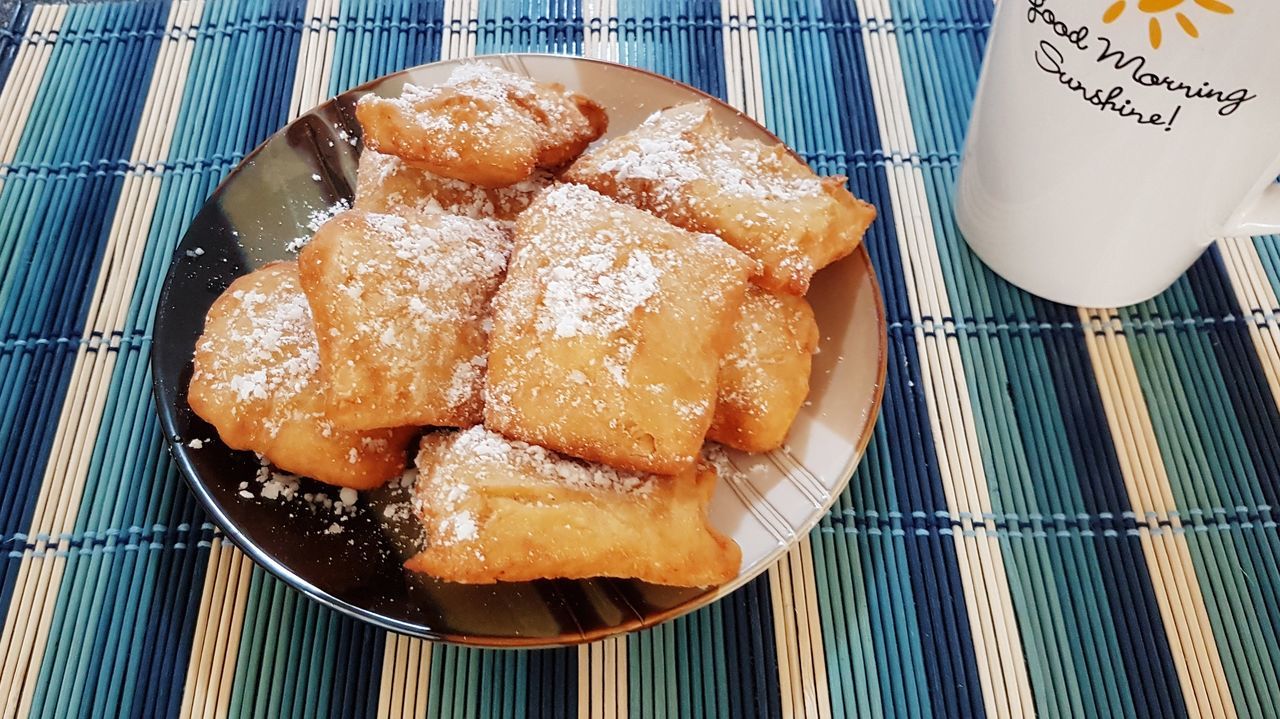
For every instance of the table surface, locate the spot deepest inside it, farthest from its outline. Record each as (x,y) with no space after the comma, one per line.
(1063,512)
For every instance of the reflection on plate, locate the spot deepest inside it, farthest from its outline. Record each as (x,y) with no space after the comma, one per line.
(309,167)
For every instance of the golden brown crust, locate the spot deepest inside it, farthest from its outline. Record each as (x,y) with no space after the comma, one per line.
(683,167)
(387,184)
(496,510)
(764,375)
(401,309)
(255,381)
(608,332)
(485,125)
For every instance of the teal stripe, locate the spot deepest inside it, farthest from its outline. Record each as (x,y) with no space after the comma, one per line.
(797,73)
(717,662)
(1078,658)
(87,106)
(1268,248)
(1208,466)
(870,632)
(894,636)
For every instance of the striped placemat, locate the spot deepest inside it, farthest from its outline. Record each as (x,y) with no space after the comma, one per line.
(1064,512)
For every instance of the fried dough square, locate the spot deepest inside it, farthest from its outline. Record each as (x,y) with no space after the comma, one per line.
(764,375)
(387,184)
(484,125)
(684,167)
(608,332)
(402,314)
(256,381)
(501,510)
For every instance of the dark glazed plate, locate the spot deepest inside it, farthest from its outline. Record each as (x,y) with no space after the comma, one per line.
(307,168)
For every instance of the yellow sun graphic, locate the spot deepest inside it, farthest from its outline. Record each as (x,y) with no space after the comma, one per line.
(1156,8)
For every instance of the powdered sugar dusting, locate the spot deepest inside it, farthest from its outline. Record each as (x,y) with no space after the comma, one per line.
(595,284)
(491,447)
(407,298)
(718,457)
(460,527)
(271,351)
(385,183)
(481,99)
(315,221)
(429,258)
(608,315)
(668,152)
(681,165)
(467,381)
(618,292)
(447,500)
(273,485)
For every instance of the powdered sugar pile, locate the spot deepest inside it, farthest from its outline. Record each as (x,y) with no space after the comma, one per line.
(376,169)
(315,221)
(400,506)
(718,457)
(270,352)
(385,183)
(448,503)
(588,294)
(467,377)
(674,148)
(496,99)
(492,447)
(272,485)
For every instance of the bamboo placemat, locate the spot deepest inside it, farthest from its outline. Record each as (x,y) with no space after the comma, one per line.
(1064,512)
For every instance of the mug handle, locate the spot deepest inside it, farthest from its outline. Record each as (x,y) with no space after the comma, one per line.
(1261,216)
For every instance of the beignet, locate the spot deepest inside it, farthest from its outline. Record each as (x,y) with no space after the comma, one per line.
(684,167)
(608,332)
(255,380)
(501,510)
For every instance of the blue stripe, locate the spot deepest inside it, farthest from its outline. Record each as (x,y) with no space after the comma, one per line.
(1244,381)
(1142,639)
(692,51)
(131,480)
(950,666)
(752,678)
(297,658)
(552,684)
(558,27)
(373,47)
(52,234)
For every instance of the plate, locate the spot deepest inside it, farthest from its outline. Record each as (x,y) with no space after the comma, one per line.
(298,175)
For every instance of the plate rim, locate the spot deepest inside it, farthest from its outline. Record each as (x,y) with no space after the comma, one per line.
(280,571)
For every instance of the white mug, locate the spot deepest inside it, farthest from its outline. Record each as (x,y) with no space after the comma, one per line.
(1113,140)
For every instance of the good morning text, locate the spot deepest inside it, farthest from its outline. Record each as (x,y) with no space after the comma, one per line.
(1081,44)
